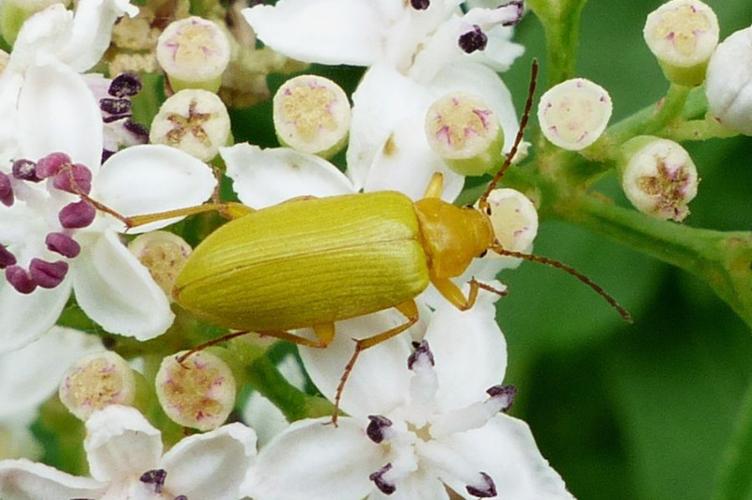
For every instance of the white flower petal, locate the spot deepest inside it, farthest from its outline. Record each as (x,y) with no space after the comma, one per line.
(24,480)
(18,440)
(378,383)
(211,466)
(40,37)
(58,112)
(484,83)
(117,291)
(381,101)
(505,449)
(265,418)
(10,88)
(316,461)
(153,178)
(421,485)
(407,163)
(31,375)
(121,443)
(91,31)
(322,31)
(264,177)
(462,339)
(28,317)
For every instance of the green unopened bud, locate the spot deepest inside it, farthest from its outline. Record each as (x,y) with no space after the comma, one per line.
(195,121)
(200,393)
(574,113)
(95,381)
(312,115)
(682,34)
(13,13)
(193,52)
(465,132)
(163,254)
(659,177)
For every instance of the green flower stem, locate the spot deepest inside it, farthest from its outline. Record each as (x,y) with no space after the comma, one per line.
(721,259)
(294,403)
(561,24)
(697,130)
(735,474)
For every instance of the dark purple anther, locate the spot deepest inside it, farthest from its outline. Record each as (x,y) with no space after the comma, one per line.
(139,131)
(181,497)
(155,477)
(473,40)
(25,170)
(48,274)
(51,164)
(420,349)
(382,484)
(520,10)
(76,215)
(125,85)
(63,244)
(506,393)
(6,190)
(115,106)
(420,4)
(20,279)
(74,179)
(377,426)
(485,489)
(6,258)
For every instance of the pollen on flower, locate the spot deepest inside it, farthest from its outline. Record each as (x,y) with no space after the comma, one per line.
(473,40)
(312,114)
(163,254)
(200,393)
(683,32)
(96,381)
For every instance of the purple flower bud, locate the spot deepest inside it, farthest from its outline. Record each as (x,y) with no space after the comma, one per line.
(20,279)
(6,258)
(74,179)
(384,485)
(420,4)
(6,190)
(377,427)
(51,164)
(115,106)
(63,244)
(48,274)
(125,85)
(421,349)
(25,170)
(139,131)
(76,215)
(485,489)
(473,40)
(156,477)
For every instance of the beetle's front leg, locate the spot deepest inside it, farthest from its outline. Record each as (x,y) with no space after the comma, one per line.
(453,294)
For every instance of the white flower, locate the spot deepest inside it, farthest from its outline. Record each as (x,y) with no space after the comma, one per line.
(28,377)
(47,229)
(414,428)
(729,82)
(416,55)
(126,462)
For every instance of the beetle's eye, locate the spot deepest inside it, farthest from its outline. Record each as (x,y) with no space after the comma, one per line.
(483,254)
(488,210)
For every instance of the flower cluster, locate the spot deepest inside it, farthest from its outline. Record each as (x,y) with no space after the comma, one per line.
(129,209)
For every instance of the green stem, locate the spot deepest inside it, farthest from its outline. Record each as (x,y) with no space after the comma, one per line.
(561,24)
(697,130)
(735,474)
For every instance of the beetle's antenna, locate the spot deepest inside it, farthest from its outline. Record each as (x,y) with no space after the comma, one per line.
(224,338)
(567,269)
(483,201)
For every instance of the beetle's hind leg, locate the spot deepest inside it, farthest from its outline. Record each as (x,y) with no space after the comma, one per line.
(410,310)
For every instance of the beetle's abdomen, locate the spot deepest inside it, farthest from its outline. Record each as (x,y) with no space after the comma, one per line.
(307,262)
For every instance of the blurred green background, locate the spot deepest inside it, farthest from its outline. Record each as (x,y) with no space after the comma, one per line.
(643,411)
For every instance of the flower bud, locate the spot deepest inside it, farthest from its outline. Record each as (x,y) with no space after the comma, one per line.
(200,393)
(95,381)
(659,177)
(465,132)
(163,254)
(312,115)
(729,82)
(195,121)
(514,219)
(194,52)
(682,35)
(574,113)
(13,13)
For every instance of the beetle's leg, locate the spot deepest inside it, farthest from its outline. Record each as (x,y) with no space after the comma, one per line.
(435,186)
(453,294)
(410,310)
